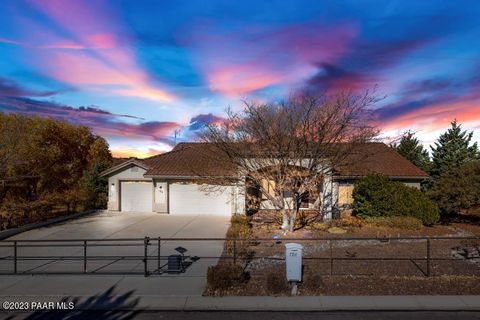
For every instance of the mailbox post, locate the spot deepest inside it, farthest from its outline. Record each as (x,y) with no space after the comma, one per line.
(293,259)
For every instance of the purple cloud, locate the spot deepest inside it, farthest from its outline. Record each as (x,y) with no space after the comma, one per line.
(102,122)
(333,78)
(202,120)
(10,88)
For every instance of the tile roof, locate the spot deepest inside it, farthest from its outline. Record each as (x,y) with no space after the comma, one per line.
(378,158)
(189,159)
(198,159)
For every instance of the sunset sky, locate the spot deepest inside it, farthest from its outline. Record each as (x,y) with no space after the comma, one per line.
(136,71)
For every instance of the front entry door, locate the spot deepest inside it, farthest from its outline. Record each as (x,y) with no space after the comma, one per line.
(161,197)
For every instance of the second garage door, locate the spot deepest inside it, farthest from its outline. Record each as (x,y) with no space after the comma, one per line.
(192,199)
(136,196)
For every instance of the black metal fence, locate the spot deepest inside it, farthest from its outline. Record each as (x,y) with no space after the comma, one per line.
(149,255)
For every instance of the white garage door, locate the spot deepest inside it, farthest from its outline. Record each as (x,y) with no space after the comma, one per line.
(136,196)
(192,199)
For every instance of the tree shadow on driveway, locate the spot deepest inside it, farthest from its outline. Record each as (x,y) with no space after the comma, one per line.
(106,305)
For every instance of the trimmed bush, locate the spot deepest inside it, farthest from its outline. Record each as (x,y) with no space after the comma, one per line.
(225,276)
(241,229)
(378,196)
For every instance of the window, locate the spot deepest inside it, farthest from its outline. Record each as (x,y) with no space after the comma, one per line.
(345,192)
(269,187)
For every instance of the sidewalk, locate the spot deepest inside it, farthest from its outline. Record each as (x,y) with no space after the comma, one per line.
(324,303)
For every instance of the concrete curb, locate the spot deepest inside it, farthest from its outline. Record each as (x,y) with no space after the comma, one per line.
(11,232)
(253,303)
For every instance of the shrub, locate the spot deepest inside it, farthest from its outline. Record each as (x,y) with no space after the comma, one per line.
(225,276)
(400,222)
(378,196)
(241,220)
(277,283)
(239,231)
(457,189)
(240,228)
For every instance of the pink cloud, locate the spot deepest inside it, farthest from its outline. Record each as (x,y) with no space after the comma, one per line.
(238,80)
(246,60)
(64,45)
(154,130)
(102,41)
(438,115)
(98,58)
(127,152)
(81,69)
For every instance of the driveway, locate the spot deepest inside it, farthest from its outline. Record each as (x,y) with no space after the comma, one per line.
(108,225)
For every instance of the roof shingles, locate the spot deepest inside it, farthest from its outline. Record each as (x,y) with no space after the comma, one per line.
(189,159)
(200,159)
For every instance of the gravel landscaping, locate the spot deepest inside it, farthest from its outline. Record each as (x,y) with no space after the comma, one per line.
(363,266)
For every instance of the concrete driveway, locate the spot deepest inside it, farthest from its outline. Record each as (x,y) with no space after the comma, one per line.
(108,225)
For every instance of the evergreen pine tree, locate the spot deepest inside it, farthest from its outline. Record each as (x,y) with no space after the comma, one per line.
(452,149)
(411,149)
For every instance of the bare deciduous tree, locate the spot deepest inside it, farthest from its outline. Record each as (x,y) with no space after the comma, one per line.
(285,150)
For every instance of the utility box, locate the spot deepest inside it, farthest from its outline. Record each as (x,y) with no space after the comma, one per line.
(175,264)
(293,258)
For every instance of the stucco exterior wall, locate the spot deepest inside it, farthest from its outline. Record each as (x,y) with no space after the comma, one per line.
(238,198)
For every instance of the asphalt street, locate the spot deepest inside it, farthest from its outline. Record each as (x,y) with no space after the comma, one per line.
(125,315)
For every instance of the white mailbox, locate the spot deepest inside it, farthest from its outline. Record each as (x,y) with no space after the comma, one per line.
(293,257)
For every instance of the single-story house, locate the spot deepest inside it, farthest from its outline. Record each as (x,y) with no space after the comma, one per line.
(168,183)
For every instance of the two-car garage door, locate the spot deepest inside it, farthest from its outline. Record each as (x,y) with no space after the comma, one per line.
(195,199)
(136,196)
(183,198)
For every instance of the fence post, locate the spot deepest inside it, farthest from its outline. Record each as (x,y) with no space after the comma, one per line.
(234,251)
(331,257)
(428,257)
(158,251)
(15,257)
(145,256)
(84,256)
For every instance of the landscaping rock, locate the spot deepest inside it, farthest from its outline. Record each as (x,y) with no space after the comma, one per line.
(470,254)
